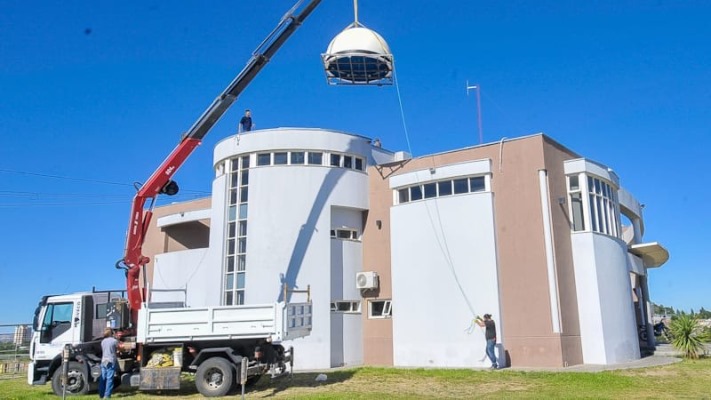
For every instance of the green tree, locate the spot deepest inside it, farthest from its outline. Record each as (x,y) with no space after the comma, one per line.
(688,335)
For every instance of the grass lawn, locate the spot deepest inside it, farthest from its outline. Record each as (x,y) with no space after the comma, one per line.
(687,379)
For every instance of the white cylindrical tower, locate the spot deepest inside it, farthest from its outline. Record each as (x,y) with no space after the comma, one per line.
(288,207)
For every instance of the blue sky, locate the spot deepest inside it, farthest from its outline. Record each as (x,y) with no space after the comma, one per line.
(100,92)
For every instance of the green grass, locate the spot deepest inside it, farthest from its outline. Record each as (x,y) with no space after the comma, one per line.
(687,379)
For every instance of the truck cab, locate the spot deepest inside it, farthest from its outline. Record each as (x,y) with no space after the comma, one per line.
(73,319)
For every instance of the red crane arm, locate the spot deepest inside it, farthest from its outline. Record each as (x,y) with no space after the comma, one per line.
(160,181)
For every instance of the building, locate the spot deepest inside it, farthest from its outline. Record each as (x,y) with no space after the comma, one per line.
(401,253)
(22,334)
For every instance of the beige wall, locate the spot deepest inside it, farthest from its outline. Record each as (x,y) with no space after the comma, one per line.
(176,237)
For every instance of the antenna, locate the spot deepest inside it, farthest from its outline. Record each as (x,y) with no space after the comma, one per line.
(478,108)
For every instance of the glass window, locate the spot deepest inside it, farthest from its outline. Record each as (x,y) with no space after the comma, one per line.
(280,158)
(335,160)
(461,186)
(242,245)
(234,180)
(297,157)
(264,159)
(315,158)
(243,211)
(343,234)
(230,264)
(245,162)
(235,164)
(445,188)
(379,309)
(232,213)
(576,203)
(229,297)
(243,228)
(347,162)
(416,193)
(243,194)
(403,195)
(430,190)
(240,297)
(574,185)
(240,280)
(231,246)
(231,229)
(233,196)
(477,184)
(229,282)
(241,262)
(245,178)
(359,164)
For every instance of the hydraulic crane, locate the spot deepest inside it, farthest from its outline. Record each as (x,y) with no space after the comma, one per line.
(161,182)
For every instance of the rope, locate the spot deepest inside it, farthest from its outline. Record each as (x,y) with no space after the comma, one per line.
(444,248)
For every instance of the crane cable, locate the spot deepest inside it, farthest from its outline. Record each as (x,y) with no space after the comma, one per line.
(444,248)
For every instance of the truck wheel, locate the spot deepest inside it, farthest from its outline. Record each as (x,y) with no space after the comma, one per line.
(214,377)
(77,383)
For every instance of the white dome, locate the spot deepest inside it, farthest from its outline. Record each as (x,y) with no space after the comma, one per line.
(358,56)
(358,39)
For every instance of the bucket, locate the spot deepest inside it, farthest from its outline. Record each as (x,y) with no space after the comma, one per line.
(178,357)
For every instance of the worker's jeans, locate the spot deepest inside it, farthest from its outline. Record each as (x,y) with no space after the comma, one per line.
(490,344)
(106,381)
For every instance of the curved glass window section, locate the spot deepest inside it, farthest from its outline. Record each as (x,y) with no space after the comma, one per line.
(235,260)
(593,205)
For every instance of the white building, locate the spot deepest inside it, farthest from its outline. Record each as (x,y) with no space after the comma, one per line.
(525,230)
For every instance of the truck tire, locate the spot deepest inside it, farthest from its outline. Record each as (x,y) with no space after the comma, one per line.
(214,377)
(77,383)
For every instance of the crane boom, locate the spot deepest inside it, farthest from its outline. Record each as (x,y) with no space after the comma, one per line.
(160,182)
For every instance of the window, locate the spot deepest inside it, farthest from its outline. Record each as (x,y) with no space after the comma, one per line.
(576,204)
(444,188)
(344,233)
(477,184)
(604,207)
(430,190)
(280,158)
(347,162)
(346,307)
(416,193)
(403,196)
(315,158)
(297,157)
(264,159)
(378,309)
(359,164)
(461,186)
(441,188)
(335,160)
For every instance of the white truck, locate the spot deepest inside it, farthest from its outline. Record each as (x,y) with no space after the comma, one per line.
(211,342)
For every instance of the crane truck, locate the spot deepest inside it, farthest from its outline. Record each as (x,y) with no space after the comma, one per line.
(215,343)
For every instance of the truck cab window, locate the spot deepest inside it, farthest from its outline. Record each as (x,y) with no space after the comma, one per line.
(57,320)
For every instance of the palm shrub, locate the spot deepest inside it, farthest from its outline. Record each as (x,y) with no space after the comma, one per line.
(688,336)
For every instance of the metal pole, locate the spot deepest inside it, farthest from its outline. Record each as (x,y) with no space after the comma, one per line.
(478,109)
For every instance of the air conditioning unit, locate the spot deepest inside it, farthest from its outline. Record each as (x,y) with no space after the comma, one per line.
(367,280)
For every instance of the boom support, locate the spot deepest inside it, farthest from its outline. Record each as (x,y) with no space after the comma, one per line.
(160,182)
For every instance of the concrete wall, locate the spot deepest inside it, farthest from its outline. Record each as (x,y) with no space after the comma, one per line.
(289,221)
(608,329)
(443,273)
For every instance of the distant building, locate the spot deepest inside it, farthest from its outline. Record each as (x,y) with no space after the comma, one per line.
(22,335)
(401,253)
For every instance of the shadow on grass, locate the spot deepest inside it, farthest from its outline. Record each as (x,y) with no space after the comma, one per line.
(265,387)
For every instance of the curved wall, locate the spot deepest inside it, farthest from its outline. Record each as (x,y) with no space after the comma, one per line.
(291,210)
